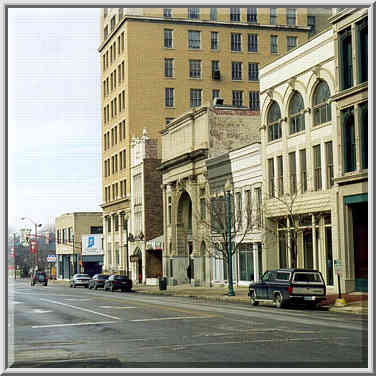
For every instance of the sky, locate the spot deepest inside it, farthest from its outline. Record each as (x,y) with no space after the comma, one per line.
(54,128)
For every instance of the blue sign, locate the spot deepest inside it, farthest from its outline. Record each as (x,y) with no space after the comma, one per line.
(90,241)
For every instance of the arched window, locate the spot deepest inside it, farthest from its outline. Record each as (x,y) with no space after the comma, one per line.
(274,122)
(321,107)
(296,113)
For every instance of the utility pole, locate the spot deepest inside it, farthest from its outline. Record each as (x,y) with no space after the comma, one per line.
(36,246)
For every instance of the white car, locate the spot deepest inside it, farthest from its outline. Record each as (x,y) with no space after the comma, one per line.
(80,280)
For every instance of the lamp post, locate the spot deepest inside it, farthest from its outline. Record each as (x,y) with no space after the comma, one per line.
(228,188)
(36,239)
(126,246)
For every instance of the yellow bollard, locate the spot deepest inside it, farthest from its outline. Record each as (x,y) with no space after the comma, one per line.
(340,302)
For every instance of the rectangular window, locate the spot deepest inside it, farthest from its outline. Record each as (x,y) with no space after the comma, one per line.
(169,210)
(282,240)
(349,142)
(215,94)
(214,40)
(291,16)
(254,100)
(167,12)
(169,97)
(280,175)
(317,167)
(122,41)
(239,208)
(169,70)
(194,13)
(251,14)
(291,43)
(236,71)
(345,55)
(271,177)
(213,14)
(273,44)
(253,70)
(363,123)
(203,208)
(237,98)
(105,32)
(167,38)
(194,68)
(311,22)
(113,22)
(303,170)
(195,97)
(234,14)
(216,75)
(194,39)
(252,43)
(236,42)
(329,164)
(292,166)
(273,16)
(362,53)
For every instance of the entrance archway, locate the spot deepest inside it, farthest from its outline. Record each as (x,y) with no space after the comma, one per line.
(203,261)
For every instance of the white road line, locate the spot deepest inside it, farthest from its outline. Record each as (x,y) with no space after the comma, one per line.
(113,307)
(81,309)
(81,300)
(77,324)
(40,311)
(14,302)
(173,318)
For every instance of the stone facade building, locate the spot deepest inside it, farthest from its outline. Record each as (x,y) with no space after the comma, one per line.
(187,143)
(351,98)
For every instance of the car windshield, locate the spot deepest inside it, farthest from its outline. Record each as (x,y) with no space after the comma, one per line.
(119,277)
(307,277)
(82,276)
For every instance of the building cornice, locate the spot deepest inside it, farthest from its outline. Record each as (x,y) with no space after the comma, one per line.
(192,156)
(350,91)
(350,179)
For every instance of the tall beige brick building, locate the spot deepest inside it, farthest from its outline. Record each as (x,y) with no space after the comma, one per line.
(158,63)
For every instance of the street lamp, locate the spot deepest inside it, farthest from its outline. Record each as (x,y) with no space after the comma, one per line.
(36,239)
(228,189)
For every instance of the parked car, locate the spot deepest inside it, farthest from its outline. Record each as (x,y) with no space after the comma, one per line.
(98,280)
(80,280)
(289,286)
(39,277)
(118,282)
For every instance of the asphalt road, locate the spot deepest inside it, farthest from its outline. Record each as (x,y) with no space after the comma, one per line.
(56,326)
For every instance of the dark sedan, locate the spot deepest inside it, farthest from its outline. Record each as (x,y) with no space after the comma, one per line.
(80,280)
(118,282)
(98,280)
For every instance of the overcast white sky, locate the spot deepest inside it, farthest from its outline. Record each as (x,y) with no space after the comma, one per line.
(54,113)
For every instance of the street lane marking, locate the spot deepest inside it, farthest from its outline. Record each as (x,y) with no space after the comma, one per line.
(40,311)
(14,302)
(81,300)
(81,309)
(77,324)
(174,318)
(114,307)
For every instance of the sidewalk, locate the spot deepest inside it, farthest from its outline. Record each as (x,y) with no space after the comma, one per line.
(356,303)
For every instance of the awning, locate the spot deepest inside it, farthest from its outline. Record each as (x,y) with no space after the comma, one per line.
(156,243)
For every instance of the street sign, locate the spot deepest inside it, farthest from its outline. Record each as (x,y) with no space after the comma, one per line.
(51,258)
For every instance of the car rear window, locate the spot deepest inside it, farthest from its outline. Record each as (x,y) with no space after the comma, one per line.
(119,277)
(82,276)
(284,276)
(307,277)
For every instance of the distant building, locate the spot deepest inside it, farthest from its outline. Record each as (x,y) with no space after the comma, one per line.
(69,230)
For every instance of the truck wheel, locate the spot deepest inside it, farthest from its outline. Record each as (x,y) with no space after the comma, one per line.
(252,299)
(278,300)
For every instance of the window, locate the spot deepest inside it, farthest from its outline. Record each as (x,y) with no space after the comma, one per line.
(105,32)
(167,38)
(194,68)
(116,222)
(169,210)
(169,97)
(258,205)
(363,123)
(234,14)
(214,40)
(254,100)
(329,164)
(292,166)
(271,177)
(252,42)
(273,16)
(303,170)
(113,22)
(321,106)
(213,14)
(236,71)
(167,12)
(280,175)
(291,16)
(215,70)
(274,122)
(362,58)
(291,43)
(122,41)
(317,167)
(194,13)
(202,204)
(236,42)
(251,14)
(349,146)
(273,44)
(169,68)
(345,55)
(215,94)
(296,114)
(311,22)
(238,196)
(195,97)
(253,70)
(194,39)
(237,98)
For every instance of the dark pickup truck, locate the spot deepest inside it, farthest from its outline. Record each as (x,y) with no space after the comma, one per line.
(289,286)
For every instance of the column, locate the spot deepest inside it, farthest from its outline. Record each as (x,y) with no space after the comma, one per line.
(314,244)
(112,240)
(256,271)
(105,250)
(121,247)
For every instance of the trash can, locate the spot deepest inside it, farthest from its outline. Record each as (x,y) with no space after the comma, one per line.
(163,283)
